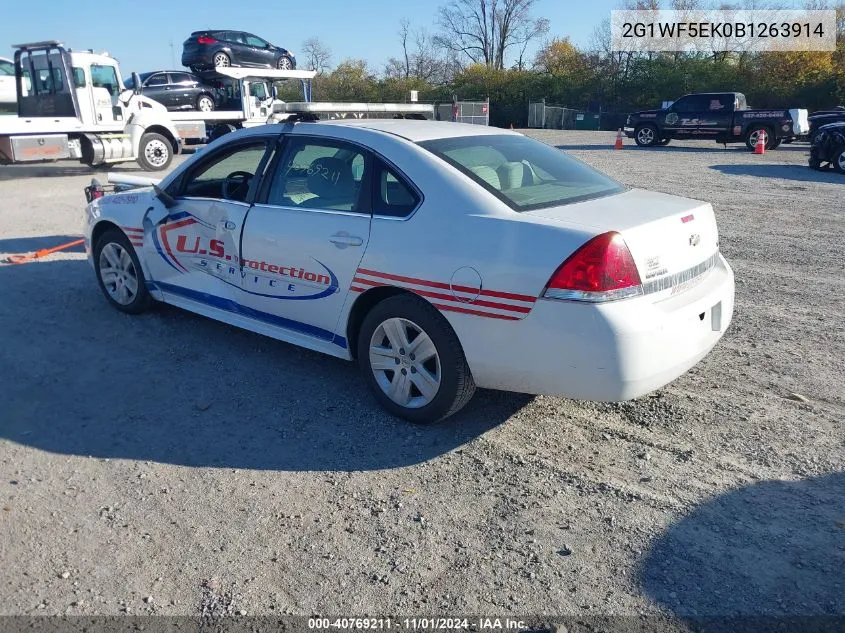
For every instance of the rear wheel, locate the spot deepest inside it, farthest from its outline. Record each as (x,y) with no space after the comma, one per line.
(754,133)
(221,60)
(205,103)
(646,136)
(412,360)
(119,273)
(154,152)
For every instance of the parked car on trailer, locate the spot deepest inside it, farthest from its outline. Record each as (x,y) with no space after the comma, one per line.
(828,147)
(177,90)
(441,256)
(721,116)
(221,48)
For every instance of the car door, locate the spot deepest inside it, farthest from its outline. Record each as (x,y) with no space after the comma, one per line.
(717,117)
(261,53)
(306,235)
(682,119)
(156,88)
(241,55)
(194,252)
(183,90)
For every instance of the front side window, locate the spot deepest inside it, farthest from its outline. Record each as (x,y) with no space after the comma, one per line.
(694,103)
(525,174)
(159,79)
(227,175)
(255,41)
(105,77)
(319,174)
(7,68)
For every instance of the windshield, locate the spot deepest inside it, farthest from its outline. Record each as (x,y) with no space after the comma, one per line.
(524,173)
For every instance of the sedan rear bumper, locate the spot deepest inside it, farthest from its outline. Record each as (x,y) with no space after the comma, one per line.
(611,352)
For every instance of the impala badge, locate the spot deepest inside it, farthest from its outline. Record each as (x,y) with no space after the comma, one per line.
(694,239)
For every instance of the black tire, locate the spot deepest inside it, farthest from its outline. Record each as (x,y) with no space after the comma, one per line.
(142,298)
(284,63)
(207,98)
(221,129)
(155,152)
(838,161)
(456,384)
(771,142)
(642,137)
(219,56)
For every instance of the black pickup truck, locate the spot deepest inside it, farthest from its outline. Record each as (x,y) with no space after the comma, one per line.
(721,116)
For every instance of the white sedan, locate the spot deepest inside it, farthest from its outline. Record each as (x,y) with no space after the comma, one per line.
(440,256)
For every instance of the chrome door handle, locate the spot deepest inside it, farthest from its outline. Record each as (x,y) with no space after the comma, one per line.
(343,240)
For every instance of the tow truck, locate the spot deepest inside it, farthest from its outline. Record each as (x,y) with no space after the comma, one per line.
(72,105)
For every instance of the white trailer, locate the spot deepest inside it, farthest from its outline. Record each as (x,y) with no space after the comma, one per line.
(72,105)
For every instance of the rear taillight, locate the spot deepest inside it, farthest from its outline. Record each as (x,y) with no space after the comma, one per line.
(601,270)
(205,39)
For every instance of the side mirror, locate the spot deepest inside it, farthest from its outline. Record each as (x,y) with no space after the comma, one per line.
(166,199)
(136,80)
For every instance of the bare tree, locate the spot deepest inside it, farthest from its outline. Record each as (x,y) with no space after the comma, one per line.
(420,57)
(317,55)
(484,30)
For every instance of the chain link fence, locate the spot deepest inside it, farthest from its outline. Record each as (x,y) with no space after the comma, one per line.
(474,112)
(550,117)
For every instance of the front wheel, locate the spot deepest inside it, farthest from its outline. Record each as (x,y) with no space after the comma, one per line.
(284,63)
(646,136)
(412,360)
(838,161)
(119,273)
(154,152)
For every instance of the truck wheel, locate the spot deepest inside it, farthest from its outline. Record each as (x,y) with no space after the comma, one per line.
(154,152)
(646,136)
(754,133)
(205,103)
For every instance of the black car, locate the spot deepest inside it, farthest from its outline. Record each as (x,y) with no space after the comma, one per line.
(177,90)
(823,117)
(722,116)
(828,148)
(210,49)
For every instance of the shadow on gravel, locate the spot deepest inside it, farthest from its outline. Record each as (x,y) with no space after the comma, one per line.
(80,378)
(787,172)
(771,549)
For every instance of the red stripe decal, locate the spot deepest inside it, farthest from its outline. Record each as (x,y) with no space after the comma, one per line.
(168,227)
(437,284)
(357,289)
(445,297)
(129,228)
(506,317)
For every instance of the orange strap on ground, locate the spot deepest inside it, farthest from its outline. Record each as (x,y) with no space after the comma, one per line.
(22,259)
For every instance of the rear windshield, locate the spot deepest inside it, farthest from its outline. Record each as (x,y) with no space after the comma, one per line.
(524,173)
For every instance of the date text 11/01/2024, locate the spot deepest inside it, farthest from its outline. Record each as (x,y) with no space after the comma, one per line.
(417,624)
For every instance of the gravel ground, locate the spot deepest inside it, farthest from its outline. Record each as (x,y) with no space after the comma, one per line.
(168,464)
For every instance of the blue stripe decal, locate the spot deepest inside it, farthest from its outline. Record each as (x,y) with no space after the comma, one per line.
(229,305)
(154,233)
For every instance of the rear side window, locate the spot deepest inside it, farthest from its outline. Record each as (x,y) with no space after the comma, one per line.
(181,78)
(78,77)
(525,174)
(159,79)
(393,196)
(7,68)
